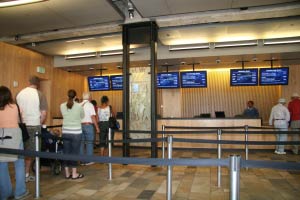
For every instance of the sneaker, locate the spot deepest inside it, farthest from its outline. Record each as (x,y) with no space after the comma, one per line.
(23,196)
(29,178)
(295,152)
(280,152)
(89,163)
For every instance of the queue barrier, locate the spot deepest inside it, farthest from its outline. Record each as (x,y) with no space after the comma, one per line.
(234,164)
(219,141)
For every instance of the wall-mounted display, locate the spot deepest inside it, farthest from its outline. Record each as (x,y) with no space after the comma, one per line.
(243,77)
(98,83)
(274,76)
(193,79)
(168,80)
(116,82)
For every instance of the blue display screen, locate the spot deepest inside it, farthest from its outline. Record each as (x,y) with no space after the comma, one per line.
(243,77)
(168,80)
(193,79)
(98,83)
(274,76)
(116,82)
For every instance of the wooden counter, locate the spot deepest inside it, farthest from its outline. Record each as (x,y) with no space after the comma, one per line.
(209,122)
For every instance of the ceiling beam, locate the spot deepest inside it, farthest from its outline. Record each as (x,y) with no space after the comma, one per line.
(209,17)
(232,15)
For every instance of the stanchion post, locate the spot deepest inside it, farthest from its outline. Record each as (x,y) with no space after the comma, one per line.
(163,142)
(109,155)
(37,167)
(246,145)
(169,179)
(219,157)
(235,165)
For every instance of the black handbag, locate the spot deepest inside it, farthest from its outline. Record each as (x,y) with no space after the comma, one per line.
(22,126)
(113,123)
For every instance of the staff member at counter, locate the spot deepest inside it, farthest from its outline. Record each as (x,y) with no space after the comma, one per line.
(251,111)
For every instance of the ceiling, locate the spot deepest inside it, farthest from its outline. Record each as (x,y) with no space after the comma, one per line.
(156,8)
(53,26)
(53,15)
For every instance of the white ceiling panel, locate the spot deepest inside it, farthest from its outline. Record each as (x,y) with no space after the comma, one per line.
(230,32)
(250,3)
(156,8)
(92,44)
(55,14)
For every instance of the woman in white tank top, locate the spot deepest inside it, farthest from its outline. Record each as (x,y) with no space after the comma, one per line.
(104,112)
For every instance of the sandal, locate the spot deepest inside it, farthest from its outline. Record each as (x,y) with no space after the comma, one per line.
(68,177)
(78,177)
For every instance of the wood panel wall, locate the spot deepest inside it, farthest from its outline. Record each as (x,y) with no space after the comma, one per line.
(220,96)
(294,82)
(62,82)
(115,98)
(17,64)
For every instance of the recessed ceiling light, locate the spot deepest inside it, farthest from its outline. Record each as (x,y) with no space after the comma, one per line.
(78,40)
(18,3)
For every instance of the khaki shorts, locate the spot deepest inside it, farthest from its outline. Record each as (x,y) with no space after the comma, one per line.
(30,143)
(295,124)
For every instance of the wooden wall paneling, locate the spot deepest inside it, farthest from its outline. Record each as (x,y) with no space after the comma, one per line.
(62,82)
(220,96)
(294,82)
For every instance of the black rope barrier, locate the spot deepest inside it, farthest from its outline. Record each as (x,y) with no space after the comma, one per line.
(261,132)
(119,160)
(201,127)
(270,164)
(155,161)
(236,142)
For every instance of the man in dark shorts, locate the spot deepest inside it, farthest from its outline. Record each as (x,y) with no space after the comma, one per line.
(33,106)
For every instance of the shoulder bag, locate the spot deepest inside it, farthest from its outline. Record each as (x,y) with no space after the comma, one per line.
(22,126)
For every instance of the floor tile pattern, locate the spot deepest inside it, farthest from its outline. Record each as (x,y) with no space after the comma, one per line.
(146,182)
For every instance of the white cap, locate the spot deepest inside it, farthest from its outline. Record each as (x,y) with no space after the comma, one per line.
(295,94)
(281,100)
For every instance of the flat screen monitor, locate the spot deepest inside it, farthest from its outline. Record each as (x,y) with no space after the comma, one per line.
(193,79)
(220,114)
(243,77)
(168,80)
(98,83)
(116,82)
(274,76)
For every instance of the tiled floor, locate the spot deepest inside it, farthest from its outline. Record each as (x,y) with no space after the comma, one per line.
(145,182)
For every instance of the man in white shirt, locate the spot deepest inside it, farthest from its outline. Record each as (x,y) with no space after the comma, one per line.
(33,105)
(280,117)
(88,123)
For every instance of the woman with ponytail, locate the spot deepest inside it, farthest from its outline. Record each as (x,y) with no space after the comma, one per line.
(72,114)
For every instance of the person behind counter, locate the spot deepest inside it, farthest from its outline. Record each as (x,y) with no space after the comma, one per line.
(251,111)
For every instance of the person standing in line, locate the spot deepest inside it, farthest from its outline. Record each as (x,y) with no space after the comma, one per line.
(72,113)
(33,105)
(88,123)
(251,111)
(9,127)
(280,117)
(104,112)
(294,108)
(97,137)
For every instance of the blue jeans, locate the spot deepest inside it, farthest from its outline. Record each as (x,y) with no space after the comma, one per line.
(71,146)
(5,181)
(87,140)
